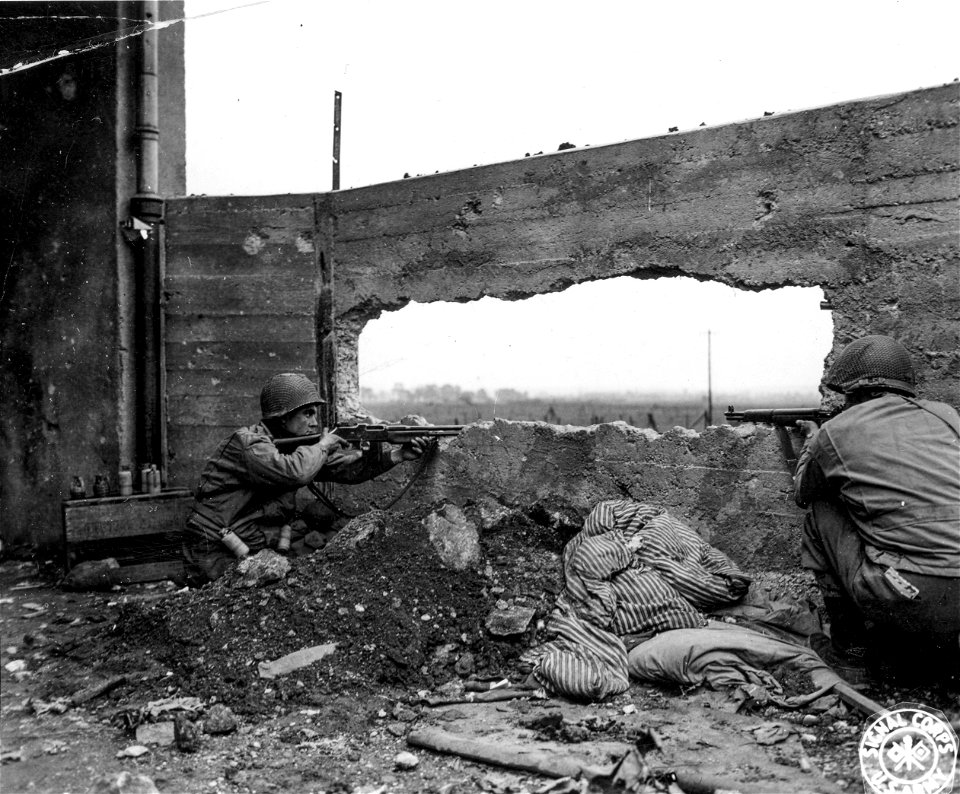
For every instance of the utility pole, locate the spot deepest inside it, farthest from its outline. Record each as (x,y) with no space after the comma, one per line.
(708,416)
(337,97)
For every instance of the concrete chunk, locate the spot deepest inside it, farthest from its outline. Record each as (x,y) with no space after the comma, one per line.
(262,568)
(296,660)
(510,620)
(455,538)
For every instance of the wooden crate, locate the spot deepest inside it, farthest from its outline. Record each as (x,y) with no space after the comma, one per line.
(141,531)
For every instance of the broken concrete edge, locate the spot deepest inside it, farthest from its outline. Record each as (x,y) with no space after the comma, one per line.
(743,429)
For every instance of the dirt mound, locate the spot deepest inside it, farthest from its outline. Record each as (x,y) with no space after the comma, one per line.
(340,723)
(399,616)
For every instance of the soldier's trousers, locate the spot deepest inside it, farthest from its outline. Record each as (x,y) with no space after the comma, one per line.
(836,554)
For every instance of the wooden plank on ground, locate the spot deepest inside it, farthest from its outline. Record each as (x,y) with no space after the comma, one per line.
(500,753)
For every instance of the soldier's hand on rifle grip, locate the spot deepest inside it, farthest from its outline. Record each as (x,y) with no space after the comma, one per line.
(331,442)
(414,448)
(340,452)
(807,428)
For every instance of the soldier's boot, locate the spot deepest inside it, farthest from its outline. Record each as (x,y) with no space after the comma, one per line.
(845,650)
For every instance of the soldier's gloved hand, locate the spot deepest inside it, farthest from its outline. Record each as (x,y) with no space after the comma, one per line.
(414,448)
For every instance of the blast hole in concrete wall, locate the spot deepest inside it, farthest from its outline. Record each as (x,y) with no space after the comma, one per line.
(648,352)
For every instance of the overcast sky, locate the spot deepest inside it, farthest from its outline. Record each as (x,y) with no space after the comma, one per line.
(436,86)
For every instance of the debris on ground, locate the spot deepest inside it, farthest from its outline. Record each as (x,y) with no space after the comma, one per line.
(425,651)
(294,661)
(93,575)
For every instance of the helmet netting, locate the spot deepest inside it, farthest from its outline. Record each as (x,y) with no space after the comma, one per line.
(872,361)
(287,392)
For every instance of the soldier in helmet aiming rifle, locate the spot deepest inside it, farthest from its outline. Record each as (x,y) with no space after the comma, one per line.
(882,535)
(246,498)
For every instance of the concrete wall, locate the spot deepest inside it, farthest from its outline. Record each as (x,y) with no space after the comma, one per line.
(65,304)
(859,199)
(730,484)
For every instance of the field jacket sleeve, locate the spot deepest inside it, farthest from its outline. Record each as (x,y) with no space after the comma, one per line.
(809,481)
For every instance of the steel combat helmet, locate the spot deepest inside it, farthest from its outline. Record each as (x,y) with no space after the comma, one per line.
(872,362)
(287,392)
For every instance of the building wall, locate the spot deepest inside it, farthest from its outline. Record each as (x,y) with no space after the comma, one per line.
(67,172)
(241,305)
(858,198)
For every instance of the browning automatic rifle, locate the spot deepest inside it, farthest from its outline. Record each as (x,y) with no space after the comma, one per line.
(781,419)
(363,435)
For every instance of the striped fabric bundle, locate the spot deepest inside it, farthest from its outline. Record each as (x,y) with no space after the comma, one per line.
(619,514)
(703,575)
(589,573)
(646,603)
(611,588)
(632,569)
(583,662)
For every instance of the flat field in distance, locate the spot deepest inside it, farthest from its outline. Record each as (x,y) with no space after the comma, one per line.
(656,413)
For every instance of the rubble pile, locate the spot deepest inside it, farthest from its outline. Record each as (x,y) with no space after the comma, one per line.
(415,600)
(378,664)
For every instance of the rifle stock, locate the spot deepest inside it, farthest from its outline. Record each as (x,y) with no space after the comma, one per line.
(364,435)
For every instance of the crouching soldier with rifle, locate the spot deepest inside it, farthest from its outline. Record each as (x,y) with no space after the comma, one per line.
(246,498)
(881,480)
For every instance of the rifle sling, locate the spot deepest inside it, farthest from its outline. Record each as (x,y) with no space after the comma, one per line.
(786,446)
(929,410)
(317,491)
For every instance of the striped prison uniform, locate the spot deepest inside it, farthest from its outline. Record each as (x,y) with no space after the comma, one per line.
(632,570)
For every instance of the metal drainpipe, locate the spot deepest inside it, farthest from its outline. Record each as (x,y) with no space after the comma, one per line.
(147,211)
